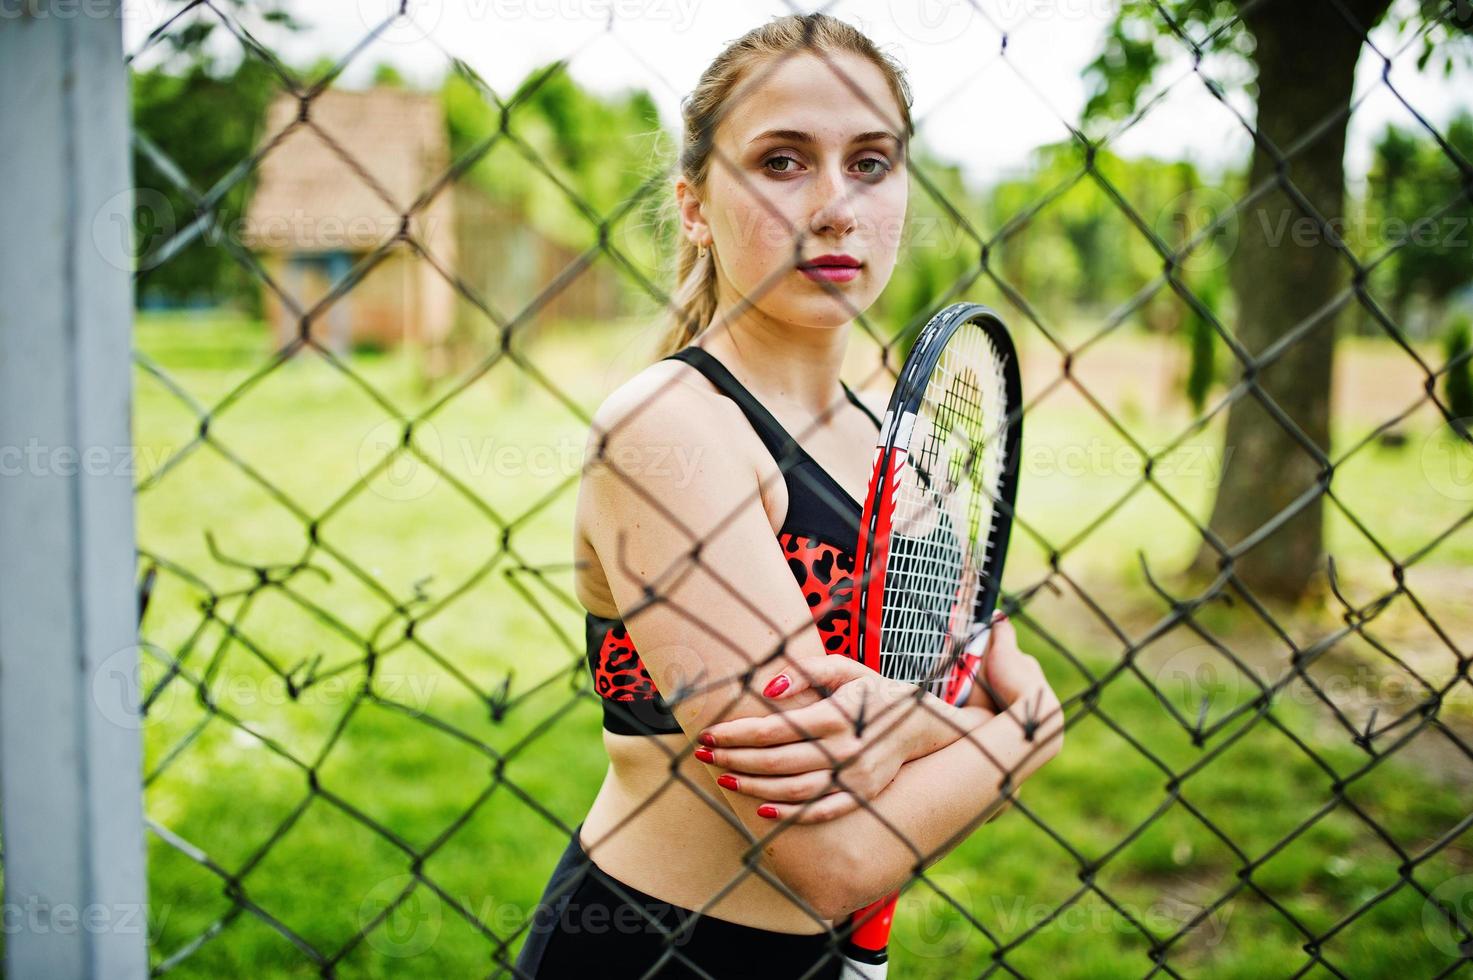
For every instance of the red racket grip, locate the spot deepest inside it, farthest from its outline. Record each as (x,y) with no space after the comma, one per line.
(873,934)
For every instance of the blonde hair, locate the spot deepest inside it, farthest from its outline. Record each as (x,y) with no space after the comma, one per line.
(693,300)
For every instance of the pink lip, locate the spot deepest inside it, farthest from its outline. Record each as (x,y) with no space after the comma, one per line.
(830,268)
(830,273)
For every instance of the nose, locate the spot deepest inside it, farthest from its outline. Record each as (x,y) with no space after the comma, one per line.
(833,213)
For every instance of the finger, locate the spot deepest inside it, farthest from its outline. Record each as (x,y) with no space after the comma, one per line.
(783,789)
(1002,639)
(824,809)
(828,671)
(1008,671)
(775,760)
(816,720)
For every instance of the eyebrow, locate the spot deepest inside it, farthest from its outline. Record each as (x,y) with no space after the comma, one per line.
(798,136)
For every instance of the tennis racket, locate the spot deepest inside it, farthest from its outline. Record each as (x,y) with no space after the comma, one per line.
(935,531)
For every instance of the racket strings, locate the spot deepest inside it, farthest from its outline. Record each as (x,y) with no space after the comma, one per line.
(944,511)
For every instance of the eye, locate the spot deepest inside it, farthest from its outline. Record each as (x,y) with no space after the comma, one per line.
(884,166)
(780,156)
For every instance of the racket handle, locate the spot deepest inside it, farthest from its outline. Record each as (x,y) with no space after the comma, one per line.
(866,954)
(855,970)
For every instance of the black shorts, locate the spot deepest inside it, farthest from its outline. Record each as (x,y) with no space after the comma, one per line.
(589,924)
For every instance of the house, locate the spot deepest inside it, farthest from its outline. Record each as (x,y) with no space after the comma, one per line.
(332,190)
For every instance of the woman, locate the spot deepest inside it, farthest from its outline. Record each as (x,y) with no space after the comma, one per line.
(720,843)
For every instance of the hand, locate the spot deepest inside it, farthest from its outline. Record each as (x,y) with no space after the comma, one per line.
(1016,686)
(820,761)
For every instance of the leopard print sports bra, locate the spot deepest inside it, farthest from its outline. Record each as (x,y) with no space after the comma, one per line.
(819,539)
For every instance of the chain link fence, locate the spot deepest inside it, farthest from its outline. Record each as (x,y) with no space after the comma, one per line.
(369,724)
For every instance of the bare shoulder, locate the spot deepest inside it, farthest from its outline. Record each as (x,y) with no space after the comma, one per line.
(668,430)
(663,391)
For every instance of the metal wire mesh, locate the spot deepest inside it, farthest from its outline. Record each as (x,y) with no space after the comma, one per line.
(325,603)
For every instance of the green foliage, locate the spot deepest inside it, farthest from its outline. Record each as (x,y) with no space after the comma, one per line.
(385,75)
(1457,385)
(1417,205)
(203,124)
(235,790)
(937,251)
(1071,248)
(1201,371)
(186,45)
(1140,40)
(600,150)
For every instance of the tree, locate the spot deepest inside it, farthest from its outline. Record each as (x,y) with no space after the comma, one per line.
(1416,198)
(194,116)
(1287,270)
(203,122)
(1458,382)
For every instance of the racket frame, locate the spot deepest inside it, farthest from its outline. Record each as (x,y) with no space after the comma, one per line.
(866,946)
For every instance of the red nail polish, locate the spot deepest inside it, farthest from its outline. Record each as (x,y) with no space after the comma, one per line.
(999,616)
(726,781)
(704,755)
(707,738)
(776,686)
(767,810)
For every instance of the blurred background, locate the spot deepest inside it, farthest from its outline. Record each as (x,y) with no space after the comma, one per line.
(389,258)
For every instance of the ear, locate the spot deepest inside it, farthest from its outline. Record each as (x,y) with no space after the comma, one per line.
(692,213)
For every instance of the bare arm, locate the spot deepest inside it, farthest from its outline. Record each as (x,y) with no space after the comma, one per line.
(933,800)
(707,596)
(936,801)
(700,581)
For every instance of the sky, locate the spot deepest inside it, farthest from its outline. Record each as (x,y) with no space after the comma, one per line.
(979,102)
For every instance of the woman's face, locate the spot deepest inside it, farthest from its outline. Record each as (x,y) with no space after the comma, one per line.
(829,181)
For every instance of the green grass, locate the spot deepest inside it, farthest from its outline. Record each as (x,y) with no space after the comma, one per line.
(312,798)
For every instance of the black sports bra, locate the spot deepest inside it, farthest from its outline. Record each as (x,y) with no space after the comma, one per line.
(819,536)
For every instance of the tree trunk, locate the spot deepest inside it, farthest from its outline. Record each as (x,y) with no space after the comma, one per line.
(1284,270)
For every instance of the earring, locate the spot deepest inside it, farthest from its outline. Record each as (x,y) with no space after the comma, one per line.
(701,252)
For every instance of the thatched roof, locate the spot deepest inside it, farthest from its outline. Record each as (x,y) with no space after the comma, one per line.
(323,185)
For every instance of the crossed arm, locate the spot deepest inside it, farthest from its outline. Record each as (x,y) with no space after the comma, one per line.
(727,610)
